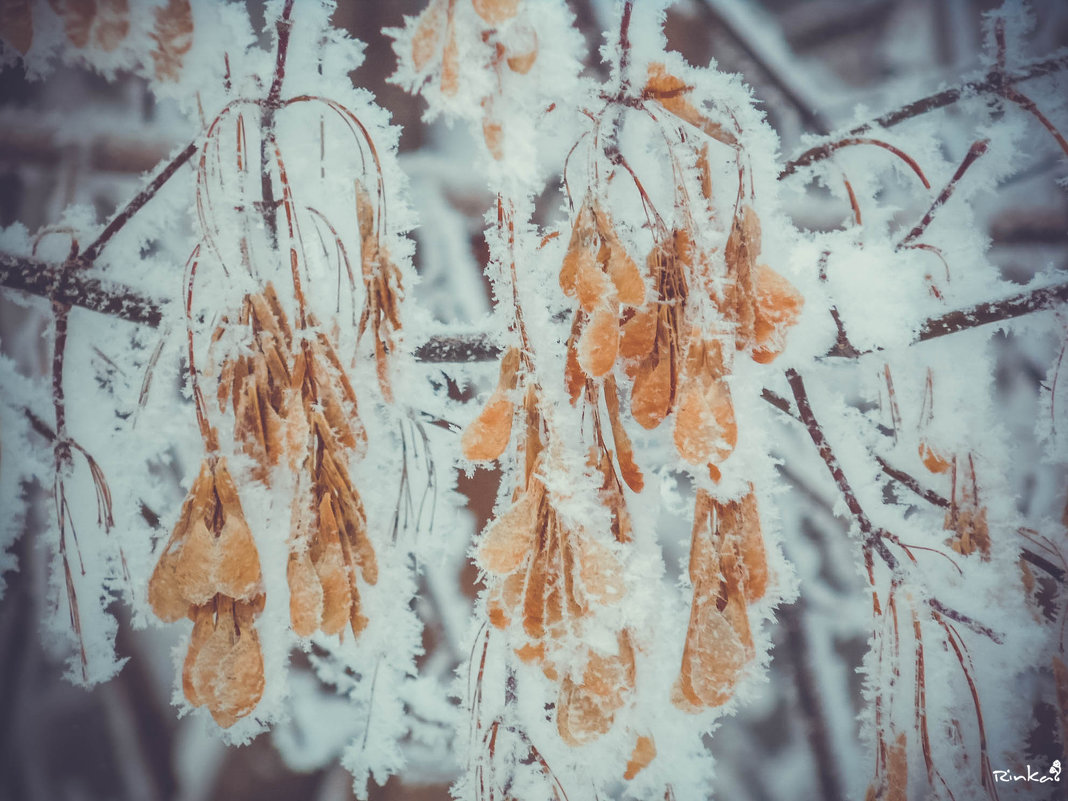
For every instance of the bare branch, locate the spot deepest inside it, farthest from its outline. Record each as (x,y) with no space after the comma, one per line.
(909,481)
(872,536)
(994,312)
(75,288)
(811,117)
(993,81)
(964,620)
(46,279)
(90,254)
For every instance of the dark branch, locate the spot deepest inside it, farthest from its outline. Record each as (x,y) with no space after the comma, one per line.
(90,254)
(964,620)
(811,118)
(779,402)
(1042,563)
(909,481)
(994,311)
(284,24)
(994,81)
(273,102)
(872,536)
(624,47)
(974,152)
(46,279)
(463,348)
(75,288)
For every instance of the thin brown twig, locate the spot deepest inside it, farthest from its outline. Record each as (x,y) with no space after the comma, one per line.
(964,620)
(993,81)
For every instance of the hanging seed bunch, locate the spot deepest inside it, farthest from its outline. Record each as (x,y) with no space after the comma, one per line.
(598,272)
(295,399)
(966,516)
(497,38)
(729,571)
(678,351)
(256,382)
(330,551)
(210,572)
(681,365)
(552,575)
(383,289)
(651,341)
(547,575)
(675,358)
(97,27)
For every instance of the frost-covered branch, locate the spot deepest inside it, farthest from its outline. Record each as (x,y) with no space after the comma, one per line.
(46,279)
(994,81)
(811,117)
(90,254)
(873,537)
(53,281)
(994,311)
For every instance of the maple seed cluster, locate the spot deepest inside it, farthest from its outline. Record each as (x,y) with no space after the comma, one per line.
(548,575)
(292,404)
(210,572)
(598,272)
(435,38)
(105,25)
(728,570)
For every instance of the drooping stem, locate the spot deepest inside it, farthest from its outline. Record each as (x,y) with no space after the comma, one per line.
(941,609)
(853,141)
(211,440)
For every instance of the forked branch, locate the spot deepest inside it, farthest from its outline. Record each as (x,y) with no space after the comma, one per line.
(993,82)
